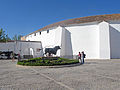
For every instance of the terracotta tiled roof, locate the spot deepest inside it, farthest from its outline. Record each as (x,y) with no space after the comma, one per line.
(82,20)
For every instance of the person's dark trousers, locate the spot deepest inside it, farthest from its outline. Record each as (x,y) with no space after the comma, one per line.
(83,61)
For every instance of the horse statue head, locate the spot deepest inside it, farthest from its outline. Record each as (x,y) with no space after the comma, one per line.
(57,47)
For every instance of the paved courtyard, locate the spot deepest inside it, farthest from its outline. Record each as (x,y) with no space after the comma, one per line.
(93,75)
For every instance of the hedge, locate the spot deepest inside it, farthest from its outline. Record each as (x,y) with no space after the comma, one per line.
(47,62)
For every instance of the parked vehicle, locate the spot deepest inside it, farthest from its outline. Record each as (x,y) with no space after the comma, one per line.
(3,56)
(8,55)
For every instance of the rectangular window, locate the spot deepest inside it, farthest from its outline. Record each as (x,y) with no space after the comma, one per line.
(47,31)
(40,33)
(38,49)
(34,34)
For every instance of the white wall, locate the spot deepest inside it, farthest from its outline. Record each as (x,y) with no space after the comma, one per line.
(72,39)
(22,48)
(46,38)
(85,38)
(7,46)
(98,41)
(58,38)
(104,41)
(66,45)
(115,39)
(49,40)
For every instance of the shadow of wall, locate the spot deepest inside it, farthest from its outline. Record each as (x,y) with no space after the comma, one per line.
(114,43)
(66,45)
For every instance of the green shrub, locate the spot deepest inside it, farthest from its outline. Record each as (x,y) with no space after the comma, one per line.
(46,62)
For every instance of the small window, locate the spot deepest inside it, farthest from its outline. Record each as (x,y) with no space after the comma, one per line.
(38,49)
(40,33)
(34,34)
(47,31)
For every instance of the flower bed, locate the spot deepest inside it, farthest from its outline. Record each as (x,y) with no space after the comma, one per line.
(47,62)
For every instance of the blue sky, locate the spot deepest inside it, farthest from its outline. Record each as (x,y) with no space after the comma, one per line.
(22,17)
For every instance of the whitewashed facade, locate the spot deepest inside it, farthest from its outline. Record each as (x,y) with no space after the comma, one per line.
(23,48)
(98,39)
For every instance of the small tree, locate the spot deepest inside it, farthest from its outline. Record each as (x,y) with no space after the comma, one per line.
(3,36)
(7,38)
(17,37)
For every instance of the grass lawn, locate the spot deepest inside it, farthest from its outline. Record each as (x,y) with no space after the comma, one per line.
(47,62)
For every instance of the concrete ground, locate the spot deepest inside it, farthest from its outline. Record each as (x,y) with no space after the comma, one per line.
(93,75)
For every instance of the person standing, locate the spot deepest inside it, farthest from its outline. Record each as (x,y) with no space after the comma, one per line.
(79,57)
(19,58)
(82,57)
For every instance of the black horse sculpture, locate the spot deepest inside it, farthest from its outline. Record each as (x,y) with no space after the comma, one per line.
(52,50)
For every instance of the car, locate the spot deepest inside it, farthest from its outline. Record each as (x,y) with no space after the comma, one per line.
(3,56)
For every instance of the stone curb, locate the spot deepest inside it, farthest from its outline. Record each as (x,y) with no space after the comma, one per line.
(57,66)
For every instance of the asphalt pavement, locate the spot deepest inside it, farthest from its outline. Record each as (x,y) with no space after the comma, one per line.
(93,75)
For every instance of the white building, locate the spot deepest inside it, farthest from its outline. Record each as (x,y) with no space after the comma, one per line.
(98,36)
(24,48)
